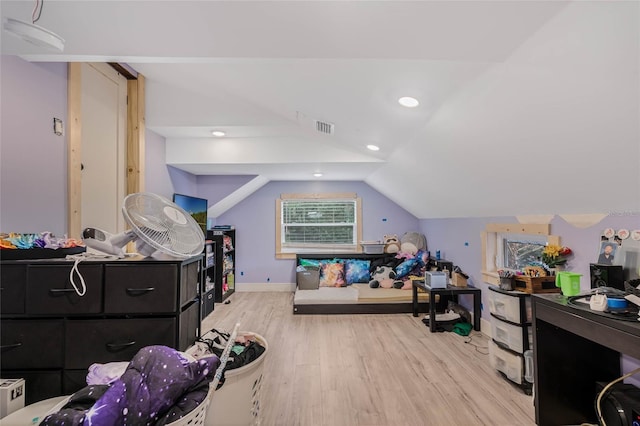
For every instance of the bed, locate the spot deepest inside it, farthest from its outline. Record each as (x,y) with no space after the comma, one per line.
(355,298)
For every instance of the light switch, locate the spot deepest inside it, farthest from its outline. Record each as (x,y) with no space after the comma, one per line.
(57,126)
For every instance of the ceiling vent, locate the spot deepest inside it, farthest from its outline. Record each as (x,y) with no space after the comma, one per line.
(324,127)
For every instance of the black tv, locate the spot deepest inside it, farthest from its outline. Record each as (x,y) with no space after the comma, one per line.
(196,207)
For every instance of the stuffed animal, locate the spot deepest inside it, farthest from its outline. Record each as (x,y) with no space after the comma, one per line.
(412,242)
(384,277)
(391,243)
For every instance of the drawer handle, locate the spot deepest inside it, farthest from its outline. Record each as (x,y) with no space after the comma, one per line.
(56,291)
(139,291)
(14,345)
(116,346)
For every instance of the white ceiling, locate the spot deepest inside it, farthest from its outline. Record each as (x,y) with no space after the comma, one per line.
(524,105)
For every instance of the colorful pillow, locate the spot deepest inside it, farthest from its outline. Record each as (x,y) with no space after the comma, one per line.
(310,262)
(332,275)
(357,271)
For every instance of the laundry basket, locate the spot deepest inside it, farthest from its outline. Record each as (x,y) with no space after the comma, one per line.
(237,402)
(197,416)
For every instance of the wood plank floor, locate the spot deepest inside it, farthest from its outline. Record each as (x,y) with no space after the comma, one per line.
(331,370)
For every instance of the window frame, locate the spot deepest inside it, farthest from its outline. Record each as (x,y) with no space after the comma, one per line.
(290,253)
(492,246)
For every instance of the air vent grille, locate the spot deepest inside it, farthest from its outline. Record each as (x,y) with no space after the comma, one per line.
(324,127)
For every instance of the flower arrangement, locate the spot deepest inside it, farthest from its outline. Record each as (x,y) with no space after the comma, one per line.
(554,255)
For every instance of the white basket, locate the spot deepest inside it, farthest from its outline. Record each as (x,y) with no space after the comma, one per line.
(237,402)
(197,416)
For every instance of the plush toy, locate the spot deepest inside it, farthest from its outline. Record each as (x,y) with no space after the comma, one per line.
(412,242)
(384,277)
(391,243)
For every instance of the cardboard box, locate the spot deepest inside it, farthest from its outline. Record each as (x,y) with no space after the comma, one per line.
(11,396)
(458,280)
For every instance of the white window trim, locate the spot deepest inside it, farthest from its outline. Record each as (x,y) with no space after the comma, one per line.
(492,245)
(290,253)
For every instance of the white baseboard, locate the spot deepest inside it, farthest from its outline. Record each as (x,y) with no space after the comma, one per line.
(257,287)
(485,327)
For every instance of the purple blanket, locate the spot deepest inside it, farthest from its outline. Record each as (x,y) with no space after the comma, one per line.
(156,389)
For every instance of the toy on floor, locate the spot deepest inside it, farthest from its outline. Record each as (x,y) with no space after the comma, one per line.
(384,277)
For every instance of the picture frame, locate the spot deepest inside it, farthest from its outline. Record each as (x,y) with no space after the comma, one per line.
(607,252)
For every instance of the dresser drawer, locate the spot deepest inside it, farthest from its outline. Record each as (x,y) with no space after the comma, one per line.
(13,281)
(189,281)
(39,385)
(31,344)
(510,364)
(508,307)
(49,289)
(510,335)
(108,340)
(149,288)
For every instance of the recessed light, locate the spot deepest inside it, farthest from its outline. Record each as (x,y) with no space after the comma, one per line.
(373,147)
(317,175)
(218,133)
(408,101)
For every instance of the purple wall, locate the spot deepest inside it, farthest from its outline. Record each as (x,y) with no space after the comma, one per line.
(459,242)
(215,188)
(33,160)
(157,178)
(254,219)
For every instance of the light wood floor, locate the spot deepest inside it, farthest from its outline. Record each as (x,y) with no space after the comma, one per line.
(331,370)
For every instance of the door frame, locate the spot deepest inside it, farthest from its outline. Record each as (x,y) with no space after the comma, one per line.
(135,141)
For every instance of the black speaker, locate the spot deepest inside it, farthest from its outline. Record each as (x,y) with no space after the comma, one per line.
(620,405)
(606,276)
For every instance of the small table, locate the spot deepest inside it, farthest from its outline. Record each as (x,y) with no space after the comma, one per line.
(448,291)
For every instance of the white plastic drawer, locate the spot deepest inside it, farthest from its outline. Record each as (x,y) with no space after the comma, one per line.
(508,307)
(510,364)
(510,335)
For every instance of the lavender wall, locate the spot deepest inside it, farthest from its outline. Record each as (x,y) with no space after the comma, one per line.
(459,241)
(157,178)
(254,219)
(33,160)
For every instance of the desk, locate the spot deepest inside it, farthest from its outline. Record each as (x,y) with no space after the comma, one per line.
(449,291)
(573,348)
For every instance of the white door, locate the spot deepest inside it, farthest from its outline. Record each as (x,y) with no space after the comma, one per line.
(104,126)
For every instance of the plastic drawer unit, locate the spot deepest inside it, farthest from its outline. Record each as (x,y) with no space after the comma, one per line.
(511,334)
(507,362)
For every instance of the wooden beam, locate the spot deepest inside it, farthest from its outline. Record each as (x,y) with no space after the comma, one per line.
(74,153)
(135,134)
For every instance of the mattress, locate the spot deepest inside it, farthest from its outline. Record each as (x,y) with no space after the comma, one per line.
(356,293)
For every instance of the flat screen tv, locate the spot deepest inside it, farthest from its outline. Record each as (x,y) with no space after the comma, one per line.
(196,207)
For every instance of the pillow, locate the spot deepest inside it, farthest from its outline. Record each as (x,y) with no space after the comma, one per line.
(357,271)
(332,275)
(310,262)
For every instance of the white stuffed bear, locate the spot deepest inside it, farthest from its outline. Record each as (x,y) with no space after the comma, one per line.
(412,242)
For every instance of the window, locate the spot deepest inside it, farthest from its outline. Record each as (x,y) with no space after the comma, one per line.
(317,223)
(512,246)
(517,251)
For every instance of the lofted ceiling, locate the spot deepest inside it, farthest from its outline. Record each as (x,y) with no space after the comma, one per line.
(524,105)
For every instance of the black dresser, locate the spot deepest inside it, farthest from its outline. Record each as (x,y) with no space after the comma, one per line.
(50,334)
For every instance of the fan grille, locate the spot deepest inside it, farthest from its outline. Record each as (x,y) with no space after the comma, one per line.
(163,225)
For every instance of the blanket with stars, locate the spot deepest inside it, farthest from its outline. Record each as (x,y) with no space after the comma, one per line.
(158,387)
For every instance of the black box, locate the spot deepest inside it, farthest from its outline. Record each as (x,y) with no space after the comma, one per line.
(606,276)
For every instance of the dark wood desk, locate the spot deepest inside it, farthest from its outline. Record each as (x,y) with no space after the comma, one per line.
(449,291)
(573,349)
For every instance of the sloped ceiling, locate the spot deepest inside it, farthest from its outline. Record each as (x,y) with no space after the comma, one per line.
(526,107)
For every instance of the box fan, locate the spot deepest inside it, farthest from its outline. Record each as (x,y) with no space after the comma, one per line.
(157,226)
